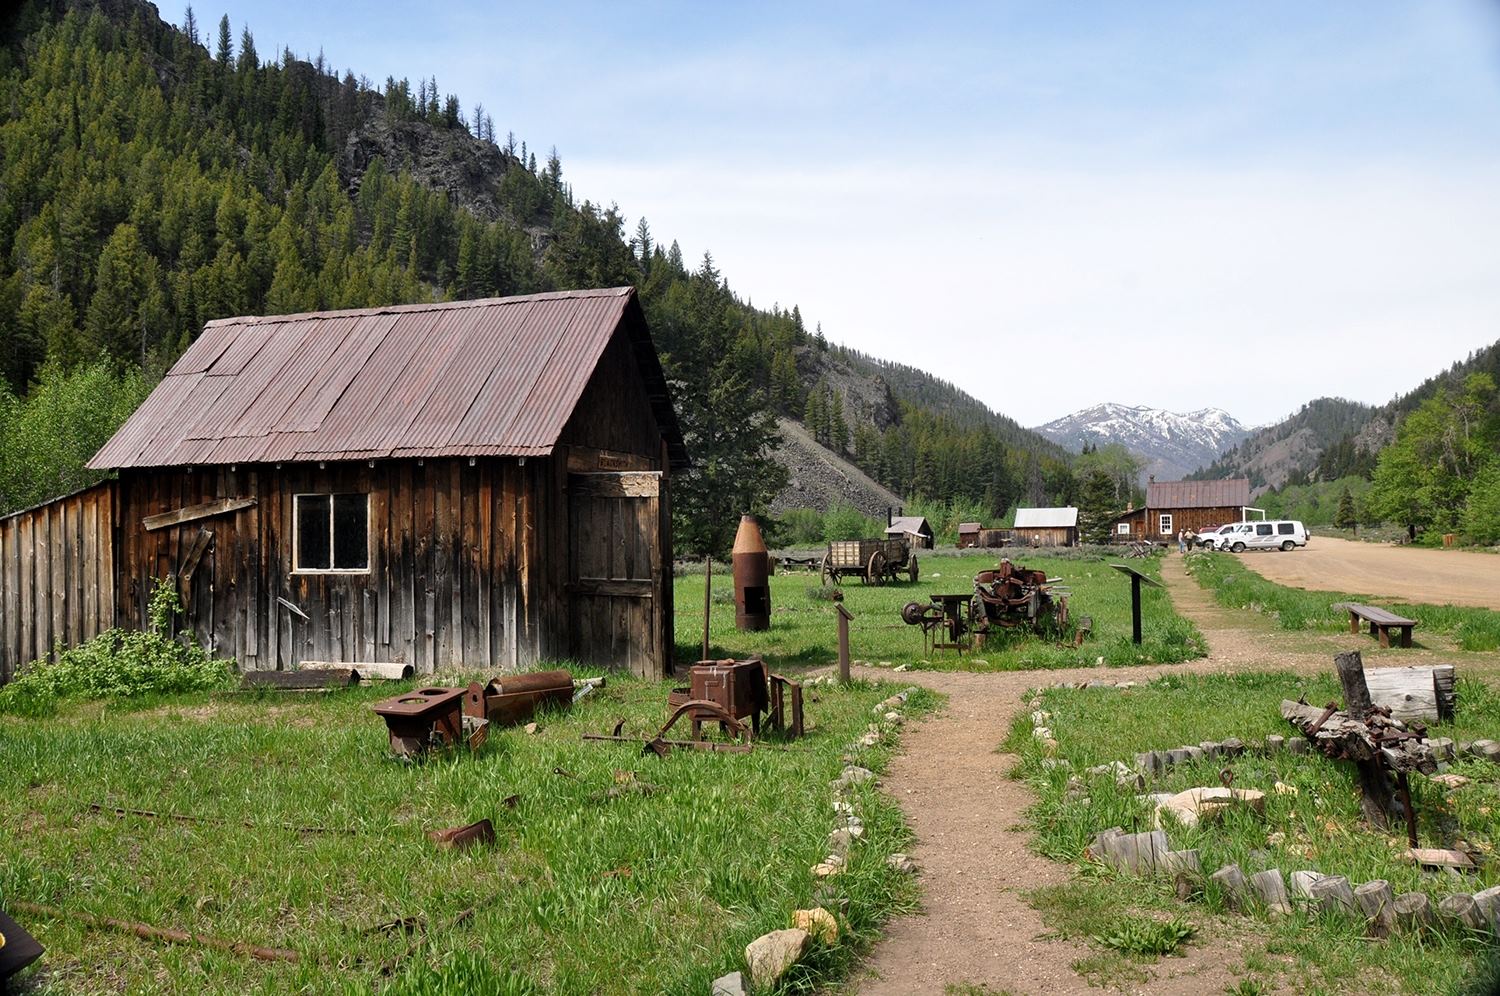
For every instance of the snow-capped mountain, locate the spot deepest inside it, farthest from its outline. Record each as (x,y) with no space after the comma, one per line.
(1171,443)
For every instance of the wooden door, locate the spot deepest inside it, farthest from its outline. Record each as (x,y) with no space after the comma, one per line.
(616,564)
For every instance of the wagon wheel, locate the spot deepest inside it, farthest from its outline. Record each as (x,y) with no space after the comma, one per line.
(875,569)
(911,569)
(830,576)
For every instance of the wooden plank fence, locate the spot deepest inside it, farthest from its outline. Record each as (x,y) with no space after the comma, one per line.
(57,573)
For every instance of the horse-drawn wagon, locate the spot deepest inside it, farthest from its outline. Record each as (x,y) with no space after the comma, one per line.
(873,561)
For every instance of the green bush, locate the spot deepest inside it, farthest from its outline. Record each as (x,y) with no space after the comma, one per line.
(120,663)
(1141,936)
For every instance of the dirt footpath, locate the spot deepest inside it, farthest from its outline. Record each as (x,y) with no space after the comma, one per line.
(1413,574)
(976,927)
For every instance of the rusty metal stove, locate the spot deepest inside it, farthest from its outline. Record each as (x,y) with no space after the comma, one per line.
(423,717)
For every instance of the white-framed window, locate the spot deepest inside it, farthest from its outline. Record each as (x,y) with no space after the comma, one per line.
(1164,523)
(1123,529)
(331,534)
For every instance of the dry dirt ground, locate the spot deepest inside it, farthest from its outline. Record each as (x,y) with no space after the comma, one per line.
(976,927)
(1413,574)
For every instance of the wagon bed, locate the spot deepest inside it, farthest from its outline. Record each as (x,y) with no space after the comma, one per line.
(873,561)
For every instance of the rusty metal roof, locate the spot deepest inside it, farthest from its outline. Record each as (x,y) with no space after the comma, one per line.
(1230,493)
(497,377)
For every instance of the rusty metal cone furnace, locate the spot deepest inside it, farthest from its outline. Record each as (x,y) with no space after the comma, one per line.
(752,582)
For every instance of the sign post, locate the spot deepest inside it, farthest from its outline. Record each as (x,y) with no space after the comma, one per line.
(1136,577)
(844,618)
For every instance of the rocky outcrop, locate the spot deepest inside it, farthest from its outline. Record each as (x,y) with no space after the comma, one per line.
(818,478)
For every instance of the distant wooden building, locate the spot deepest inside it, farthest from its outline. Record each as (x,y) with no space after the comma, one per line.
(1046,527)
(477,484)
(912,528)
(1183,505)
(968,534)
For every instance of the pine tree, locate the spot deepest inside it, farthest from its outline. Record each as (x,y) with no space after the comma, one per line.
(1096,508)
(838,429)
(643,242)
(1346,517)
(224,54)
(249,60)
(190,26)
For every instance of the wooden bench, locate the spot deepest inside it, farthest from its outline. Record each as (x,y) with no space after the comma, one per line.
(1381,623)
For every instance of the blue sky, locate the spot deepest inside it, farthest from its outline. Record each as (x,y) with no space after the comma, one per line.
(1176,204)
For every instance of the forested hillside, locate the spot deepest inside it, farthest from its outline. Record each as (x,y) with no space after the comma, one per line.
(149,185)
(1429,459)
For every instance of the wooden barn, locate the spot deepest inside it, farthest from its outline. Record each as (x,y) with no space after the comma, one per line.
(477,484)
(1174,505)
(1046,527)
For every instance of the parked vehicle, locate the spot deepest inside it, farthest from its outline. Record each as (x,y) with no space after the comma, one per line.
(1270,534)
(1209,538)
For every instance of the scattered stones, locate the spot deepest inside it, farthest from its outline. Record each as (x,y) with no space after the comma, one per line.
(819,924)
(840,840)
(532,728)
(732,984)
(852,775)
(1449,781)
(903,667)
(901,863)
(894,718)
(827,869)
(771,955)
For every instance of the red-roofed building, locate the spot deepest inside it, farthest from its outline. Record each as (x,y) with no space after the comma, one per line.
(477,484)
(1183,505)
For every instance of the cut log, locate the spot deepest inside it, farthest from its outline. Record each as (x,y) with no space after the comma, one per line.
(1413,693)
(1376,900)
(294,680)
(1180,863)
(1489,904)
(1270,889)
(1461,909)
(368,670)
(1303,881)
(1275,744)
(1413,910)
(1236,888)
(1333,894)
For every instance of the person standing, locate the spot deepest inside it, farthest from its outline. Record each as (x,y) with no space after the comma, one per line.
(1181,542)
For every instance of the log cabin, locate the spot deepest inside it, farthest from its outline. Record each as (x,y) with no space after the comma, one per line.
(1182,505)
(480,485)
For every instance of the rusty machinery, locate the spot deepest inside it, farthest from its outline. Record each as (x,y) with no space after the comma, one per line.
(726,692)
(427,718)
(752,584)
(1006,597)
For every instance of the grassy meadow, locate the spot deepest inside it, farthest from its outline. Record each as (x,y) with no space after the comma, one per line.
(612,872)
(1319,826)
(804,623)
(1236,585)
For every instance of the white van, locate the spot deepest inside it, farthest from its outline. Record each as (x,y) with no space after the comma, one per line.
(1272,534)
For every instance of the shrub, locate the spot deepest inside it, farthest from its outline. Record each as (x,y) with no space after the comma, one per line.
(120,663)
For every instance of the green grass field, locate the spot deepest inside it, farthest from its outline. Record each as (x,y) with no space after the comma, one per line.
(582,893)
(1319,827)
(804,621)
(1238,586)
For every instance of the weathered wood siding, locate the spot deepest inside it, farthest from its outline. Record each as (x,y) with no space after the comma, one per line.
(57,575)
(458,572)
(1045,535)
(1144,523)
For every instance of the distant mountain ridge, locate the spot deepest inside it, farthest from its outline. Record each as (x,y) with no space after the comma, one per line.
(1172,444)
(1329,438)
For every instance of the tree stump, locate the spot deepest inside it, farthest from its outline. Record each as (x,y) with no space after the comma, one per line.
(1376,900)
(1271,890)
(1413,910)
(1461,909)
(1333,894)
(1232,881)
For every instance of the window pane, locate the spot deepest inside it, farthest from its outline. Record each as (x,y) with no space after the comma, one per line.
(1263,530)
(351,534)
(1284,528)
(312,533)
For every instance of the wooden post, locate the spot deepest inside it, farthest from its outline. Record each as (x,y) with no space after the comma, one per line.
(1135,609)
(708,584)
(1378,795)
(844,618)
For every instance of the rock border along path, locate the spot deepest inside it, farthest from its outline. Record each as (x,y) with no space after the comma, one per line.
(976,926)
